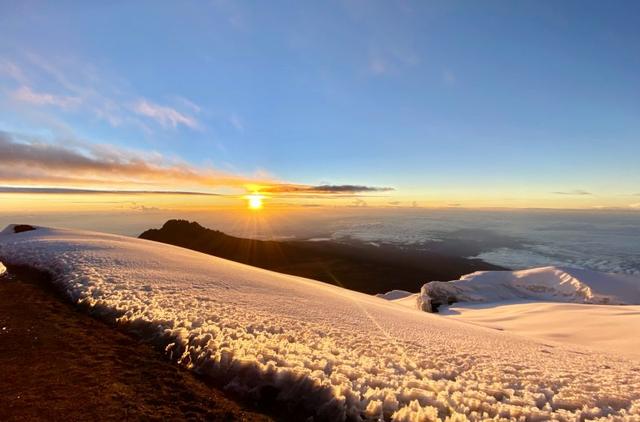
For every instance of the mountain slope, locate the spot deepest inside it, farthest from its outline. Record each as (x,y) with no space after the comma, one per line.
(321,350)
(360,267)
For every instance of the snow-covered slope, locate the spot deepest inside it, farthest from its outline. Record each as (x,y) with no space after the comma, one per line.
(336,353)
(602,327)
(547,283)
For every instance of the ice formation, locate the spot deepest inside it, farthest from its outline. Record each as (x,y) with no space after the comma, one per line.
(322,350)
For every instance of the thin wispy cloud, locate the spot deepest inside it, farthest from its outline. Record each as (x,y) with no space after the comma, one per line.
(189,104)
(13,71)
(75,83)
(78,87)
(576,192)
(389,58)
(236,122)
(378,66)
(27,95)
(166,116)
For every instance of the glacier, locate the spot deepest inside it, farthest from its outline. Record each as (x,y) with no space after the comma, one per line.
(327,352)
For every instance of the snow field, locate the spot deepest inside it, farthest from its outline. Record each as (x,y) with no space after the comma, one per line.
(320,349)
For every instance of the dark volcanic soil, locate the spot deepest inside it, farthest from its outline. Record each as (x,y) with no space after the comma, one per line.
(58,363)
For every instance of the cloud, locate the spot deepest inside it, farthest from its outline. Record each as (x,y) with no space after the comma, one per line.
(577,192)
(27,95)
(32,161)
(390,59)
(13,71)
(144,208)
(236,122)
(325,189)
(50,167)
(189,104)
(26,189)
(76,85)
(166,116)
(636,205)
(378,66)
(76,82)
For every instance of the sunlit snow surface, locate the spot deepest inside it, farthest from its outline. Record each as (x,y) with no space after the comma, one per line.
(546,283)
(551,304)
(341,354)
(602,327)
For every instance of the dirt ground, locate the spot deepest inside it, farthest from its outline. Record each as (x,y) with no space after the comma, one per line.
(59,363)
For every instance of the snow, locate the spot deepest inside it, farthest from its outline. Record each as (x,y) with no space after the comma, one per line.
(336,353)
(394,294)
(602,327)
(525,302)
(556,284)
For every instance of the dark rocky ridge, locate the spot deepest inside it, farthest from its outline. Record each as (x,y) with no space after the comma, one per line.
(19,228)
(356,266)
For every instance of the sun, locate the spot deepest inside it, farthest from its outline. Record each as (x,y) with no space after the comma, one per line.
(255,201)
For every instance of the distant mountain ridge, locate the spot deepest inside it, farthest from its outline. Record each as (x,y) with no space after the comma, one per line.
(360,267)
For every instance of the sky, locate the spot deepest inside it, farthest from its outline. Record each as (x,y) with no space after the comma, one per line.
(327,103)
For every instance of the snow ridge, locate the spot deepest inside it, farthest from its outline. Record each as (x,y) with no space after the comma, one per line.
(322,350)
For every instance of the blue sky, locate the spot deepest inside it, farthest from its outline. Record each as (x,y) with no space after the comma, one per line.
(442,100)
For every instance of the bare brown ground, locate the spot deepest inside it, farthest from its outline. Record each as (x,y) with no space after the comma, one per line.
(58,363)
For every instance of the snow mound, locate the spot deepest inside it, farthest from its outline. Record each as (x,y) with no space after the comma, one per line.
(556,284)
(321,350)
(394,294)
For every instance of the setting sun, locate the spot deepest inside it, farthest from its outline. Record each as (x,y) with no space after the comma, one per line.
(255,201)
